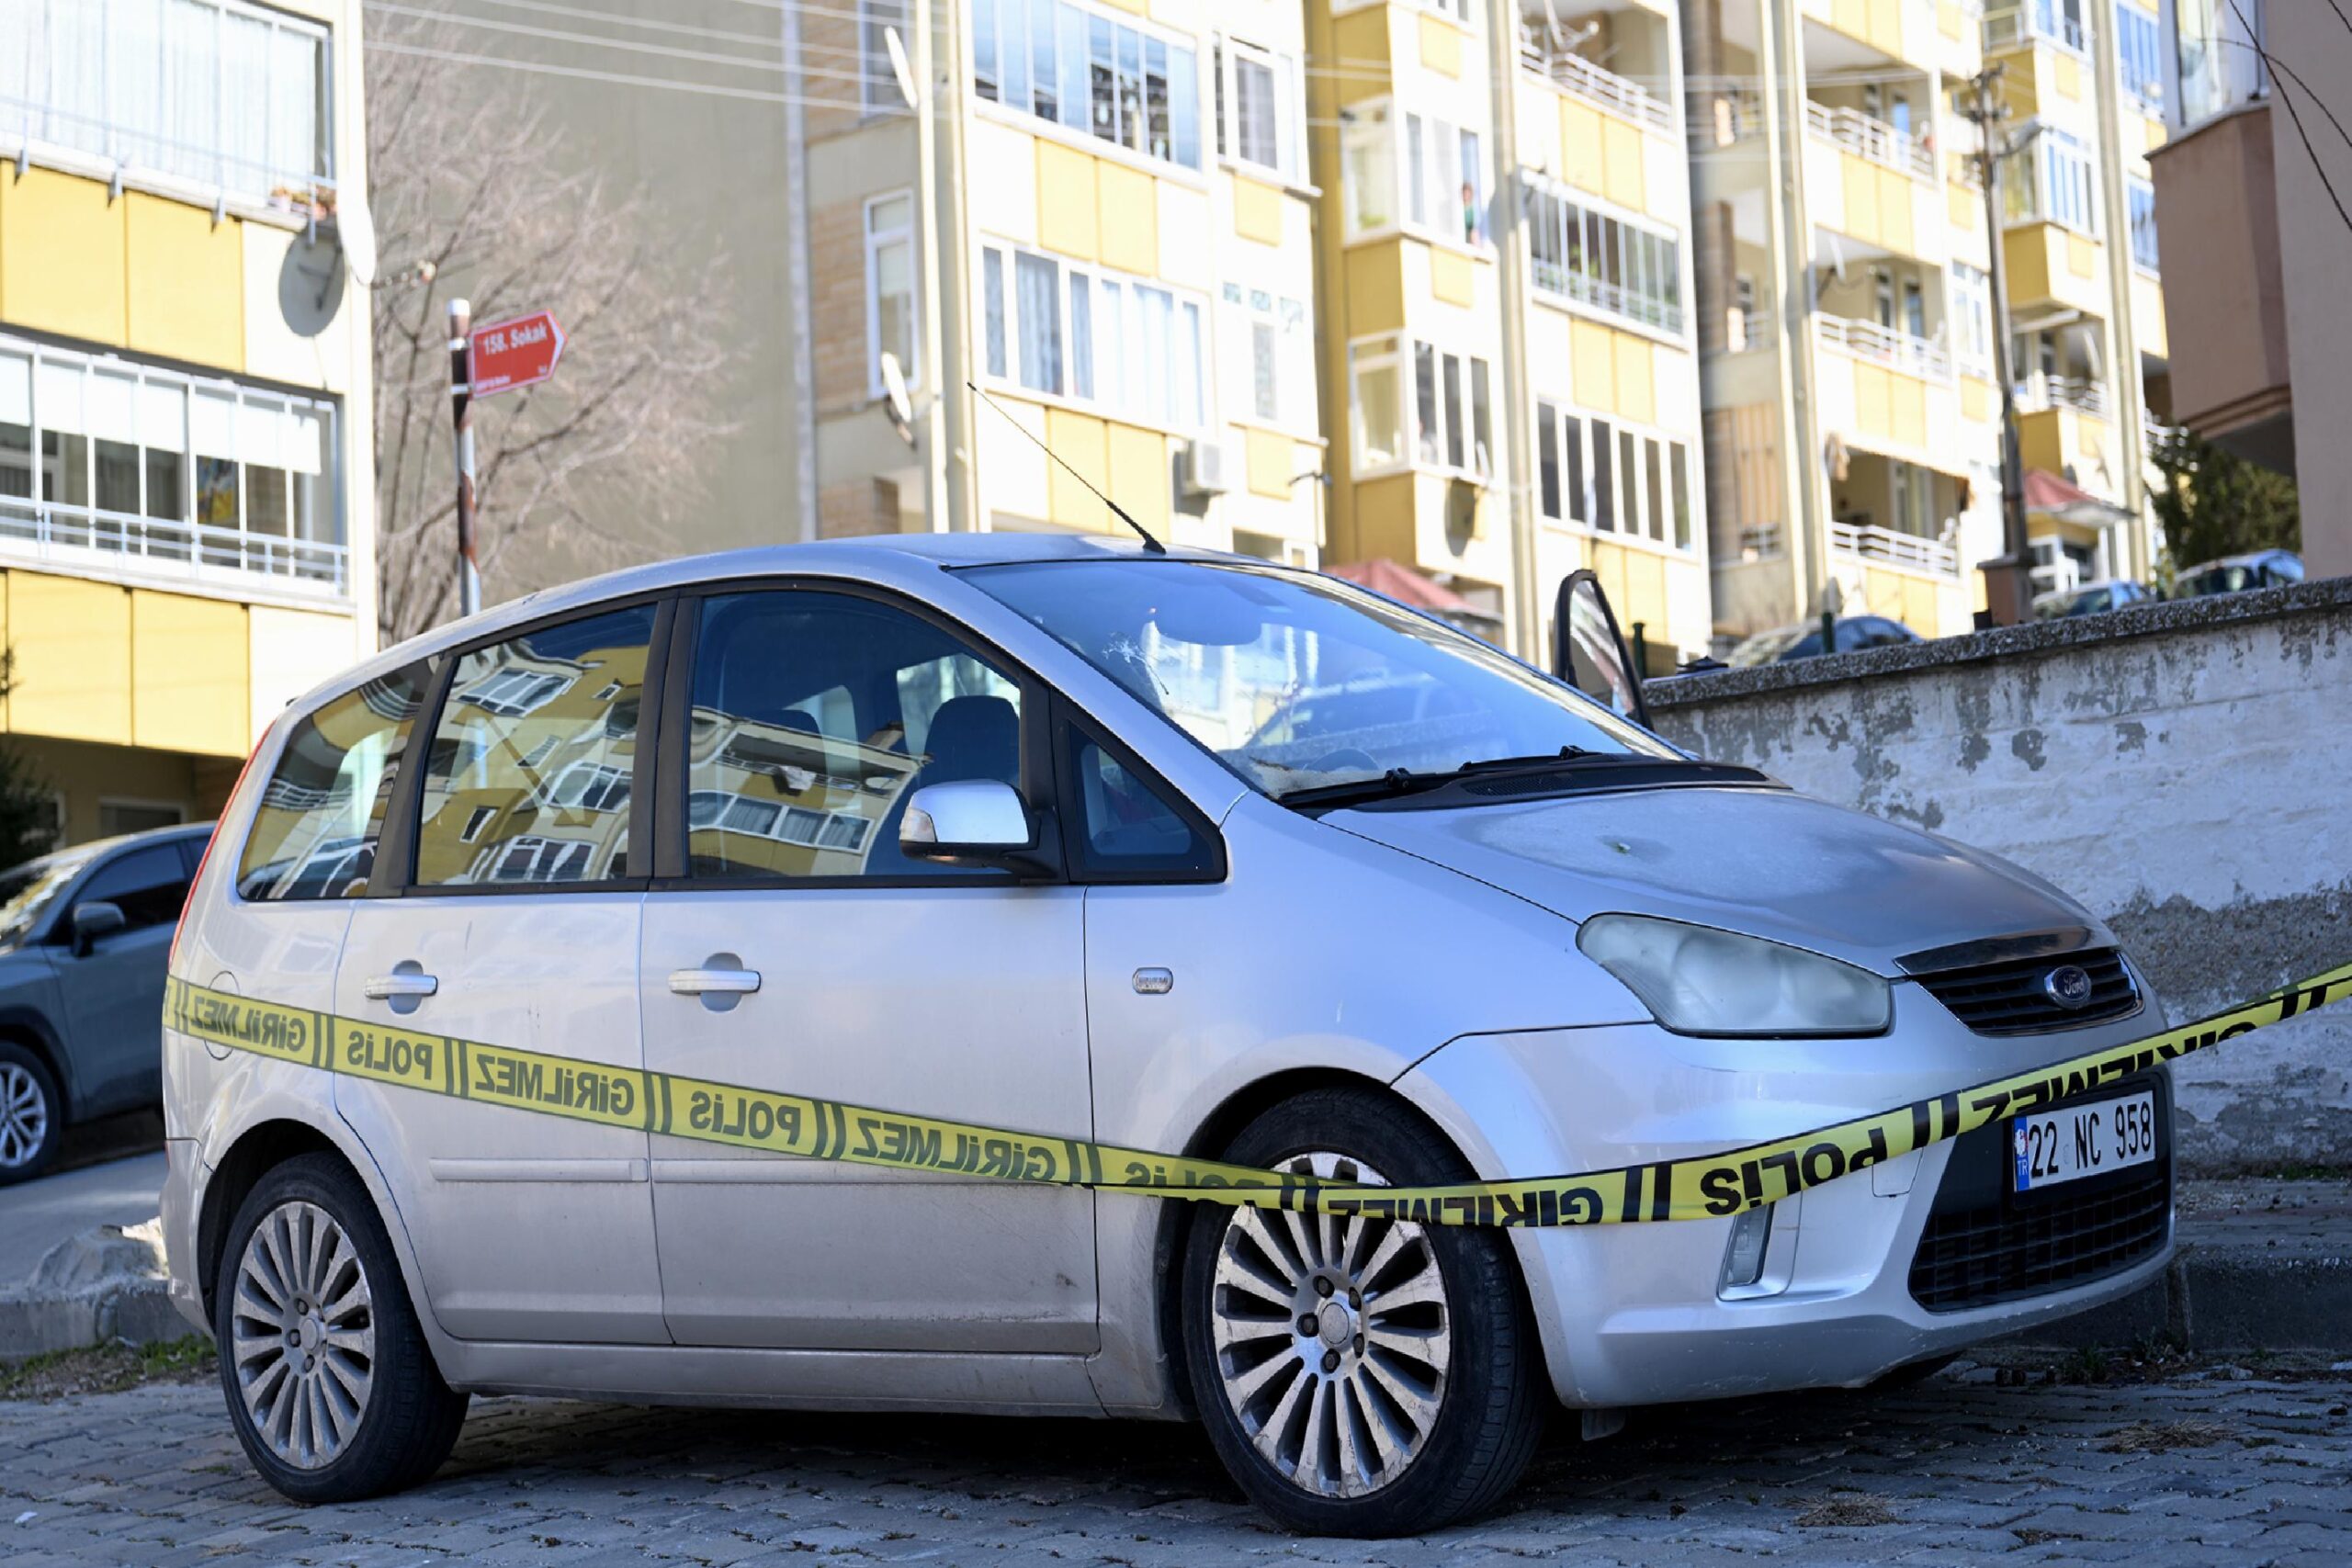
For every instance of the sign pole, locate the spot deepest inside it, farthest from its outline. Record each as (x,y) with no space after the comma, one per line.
(461,415)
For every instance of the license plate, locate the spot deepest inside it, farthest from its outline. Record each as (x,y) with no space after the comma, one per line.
(2051,1147)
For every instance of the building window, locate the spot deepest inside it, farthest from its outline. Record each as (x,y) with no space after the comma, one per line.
(1091,72)
(890,288)
(2142,198)
(1257,108)
(1277,376)
(1436,167)
(1368,168)
(2053,183)
(1616,479)
(2139,57)
(1547,459)
(878,84)
(1450,402)
(1971,312)
(1131,347)
(1611,264)
(1376,403)
(104,455)
(224,97)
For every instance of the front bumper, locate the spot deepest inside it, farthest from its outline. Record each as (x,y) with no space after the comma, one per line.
(1636,1315)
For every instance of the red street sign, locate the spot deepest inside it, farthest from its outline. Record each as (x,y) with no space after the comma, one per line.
(520,353)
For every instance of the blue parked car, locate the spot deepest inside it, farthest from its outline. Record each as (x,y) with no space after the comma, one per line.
(85,934)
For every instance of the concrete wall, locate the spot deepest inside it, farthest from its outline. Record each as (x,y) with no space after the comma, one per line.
(2179,768)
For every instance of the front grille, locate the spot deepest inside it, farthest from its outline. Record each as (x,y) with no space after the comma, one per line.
(1984,1244)
(2007,997)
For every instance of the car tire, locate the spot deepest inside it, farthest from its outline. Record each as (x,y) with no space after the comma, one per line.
(32,1114)
(1449,1368)
(330,1383)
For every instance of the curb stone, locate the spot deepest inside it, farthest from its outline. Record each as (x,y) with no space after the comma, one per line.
(104,1285)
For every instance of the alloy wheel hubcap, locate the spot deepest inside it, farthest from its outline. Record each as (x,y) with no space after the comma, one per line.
(1333,1337)
(304,1330)
(23,1115)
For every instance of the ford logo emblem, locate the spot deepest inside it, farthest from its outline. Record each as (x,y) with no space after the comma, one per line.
(2069,986)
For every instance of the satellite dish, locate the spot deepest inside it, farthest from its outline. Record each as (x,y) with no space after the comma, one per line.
(1837,257)
(354,234)
(902,72)
(895,401)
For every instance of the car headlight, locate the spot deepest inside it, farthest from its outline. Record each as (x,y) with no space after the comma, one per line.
(1698,980)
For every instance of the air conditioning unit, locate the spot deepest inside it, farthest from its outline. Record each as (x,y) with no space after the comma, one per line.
(1202,469)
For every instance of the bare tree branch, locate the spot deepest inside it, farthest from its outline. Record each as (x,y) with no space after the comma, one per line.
(472,196)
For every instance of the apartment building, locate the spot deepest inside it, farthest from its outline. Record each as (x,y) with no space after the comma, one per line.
(2265,367)
(1852,411)
(186,535)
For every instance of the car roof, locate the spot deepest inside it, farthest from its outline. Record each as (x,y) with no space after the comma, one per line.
(2252,558)
(886,555)
(94,848)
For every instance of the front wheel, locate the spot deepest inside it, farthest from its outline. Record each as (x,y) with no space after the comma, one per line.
(330,1386)
(1359,1376)
(31,1119)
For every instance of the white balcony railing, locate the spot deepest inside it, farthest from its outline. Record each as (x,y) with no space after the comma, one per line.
(1872,543)
(1884,345)
(1579,77)
(2030,22)
(113,541)
(2039,392)
(1873,139)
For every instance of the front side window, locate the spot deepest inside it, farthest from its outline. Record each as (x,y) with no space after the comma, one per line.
(530,773)
(1296,681)
(322,811)
(148,884)
(814,716)
(1124,825)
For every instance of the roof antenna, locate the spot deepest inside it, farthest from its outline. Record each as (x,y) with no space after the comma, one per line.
(1150,544)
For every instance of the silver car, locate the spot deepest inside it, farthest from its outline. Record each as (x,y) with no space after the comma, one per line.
(1066,836)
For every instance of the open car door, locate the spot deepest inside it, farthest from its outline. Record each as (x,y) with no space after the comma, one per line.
(1589,653)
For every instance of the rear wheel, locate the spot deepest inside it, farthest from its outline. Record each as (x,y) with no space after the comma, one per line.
(32,1117)
(1359,1376)
(330,1386)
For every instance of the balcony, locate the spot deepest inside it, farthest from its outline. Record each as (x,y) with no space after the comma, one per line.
(2035,21)
(1870,542)
(1580,78)
(2039,393)
(90,542)
(1871,139)
(1883,345)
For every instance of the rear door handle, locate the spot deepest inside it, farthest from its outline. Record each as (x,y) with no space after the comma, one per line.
(712,982)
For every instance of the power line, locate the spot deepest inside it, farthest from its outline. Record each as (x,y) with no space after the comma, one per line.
(2296,118)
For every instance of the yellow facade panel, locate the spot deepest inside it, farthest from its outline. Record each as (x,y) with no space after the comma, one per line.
(1894,213)
(1140,479)
(1129,205)
(2027,254)
(1384,518)
(1964,207)
(1593,364)
(1906,407)
(1453,277)
(1135,7)
(1873,401)
(61,256)
(1065,208)
(1083,442)
(2148,316)
(1951,20)
(1361,37)
(1257,211)
(2065,76)
(72,671)
(1636,359)
(1440,46)
(190,681)
(185,282)
(1886,26)
(1628,183)
(1978,400)
(1583,160)
(2154,129)
(1271,458)
(1851,18)
(1375,288)
(2041,442)
(1859,178)
(2082,256)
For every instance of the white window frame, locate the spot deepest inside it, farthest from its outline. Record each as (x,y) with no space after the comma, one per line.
(1648,289)
(603,787)
(1381,351)
(1122,380)
(1633,519)
(1228,54)
(1423,167)
(1458,380)
(878,84)
(873,245)
(1970,291)
(2059,161)
(2151,261)
(1246,313)
(488,694)
(1075,120)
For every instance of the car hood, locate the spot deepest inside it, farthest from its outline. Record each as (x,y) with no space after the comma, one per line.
(1765,861)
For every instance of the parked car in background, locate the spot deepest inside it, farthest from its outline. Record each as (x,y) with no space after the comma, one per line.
(2090,599)
(1803,641)
(84,937)
(2235,574)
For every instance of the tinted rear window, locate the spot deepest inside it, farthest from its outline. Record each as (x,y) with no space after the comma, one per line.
(323,807)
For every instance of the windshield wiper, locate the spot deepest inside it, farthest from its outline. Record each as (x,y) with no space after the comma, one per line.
(1404,780)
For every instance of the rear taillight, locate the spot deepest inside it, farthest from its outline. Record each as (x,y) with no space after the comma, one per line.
(211,843)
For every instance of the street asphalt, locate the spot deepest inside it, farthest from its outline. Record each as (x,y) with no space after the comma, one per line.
(36,1215)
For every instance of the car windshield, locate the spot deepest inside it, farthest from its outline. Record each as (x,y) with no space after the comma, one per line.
(26,891)
(1302,682)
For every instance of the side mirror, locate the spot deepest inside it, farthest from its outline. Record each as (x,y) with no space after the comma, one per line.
(972,822)
(1588,651)
(95,919)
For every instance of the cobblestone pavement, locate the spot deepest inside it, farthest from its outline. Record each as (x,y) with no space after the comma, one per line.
(1954,1472)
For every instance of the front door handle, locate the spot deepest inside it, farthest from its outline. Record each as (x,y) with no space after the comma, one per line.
(406,985)
(719,980)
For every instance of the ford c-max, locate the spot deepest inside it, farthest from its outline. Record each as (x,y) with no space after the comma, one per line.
(1168,850)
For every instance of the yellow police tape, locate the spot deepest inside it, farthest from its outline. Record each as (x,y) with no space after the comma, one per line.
(1708,1186)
